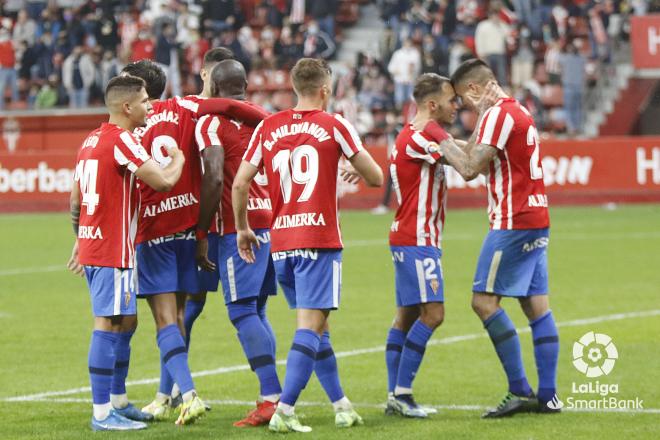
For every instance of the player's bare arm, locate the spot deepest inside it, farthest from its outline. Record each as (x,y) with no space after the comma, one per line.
(213,159)
(367,168)
(162,179)
(469,165)
(73,264)
(245,237)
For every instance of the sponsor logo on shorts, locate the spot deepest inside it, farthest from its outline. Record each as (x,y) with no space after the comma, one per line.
(311,254)
(536,244)
(185,235)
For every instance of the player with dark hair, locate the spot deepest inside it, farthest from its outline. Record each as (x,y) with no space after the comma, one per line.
(222,142)
(300,151)
(106,166)
(166,266)
(419,182)
(513,260)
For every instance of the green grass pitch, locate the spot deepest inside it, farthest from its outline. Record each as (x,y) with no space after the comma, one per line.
(602,263)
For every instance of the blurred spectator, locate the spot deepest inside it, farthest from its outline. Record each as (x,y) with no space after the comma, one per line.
(290,48)
(144,47)
(323,12)
(405,66)
(47,96)
(7,67)
(373,90)
(434,58)
(25,29)
(109,68)
(166,56)
(572,80)
(317,43)
(78,76)
(106,34)
(522,63)
(219,15)
(552,62)
(490,40)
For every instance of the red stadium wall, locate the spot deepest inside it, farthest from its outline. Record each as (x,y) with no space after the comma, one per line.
(37,156)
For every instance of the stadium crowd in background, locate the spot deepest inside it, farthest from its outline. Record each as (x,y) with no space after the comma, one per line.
(547,52)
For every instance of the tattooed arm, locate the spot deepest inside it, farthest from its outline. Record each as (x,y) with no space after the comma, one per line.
(469,165)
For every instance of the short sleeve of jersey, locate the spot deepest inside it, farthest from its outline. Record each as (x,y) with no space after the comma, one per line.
(422,149)
(129,153)
(347,137)
(495,128)
(189,103)
(254,152)
(206,132)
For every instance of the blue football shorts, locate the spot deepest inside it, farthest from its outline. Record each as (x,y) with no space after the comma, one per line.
(310,278)
(208,281)
(167,264)
(417,275)
(241,280)
(112,290)
(513,263)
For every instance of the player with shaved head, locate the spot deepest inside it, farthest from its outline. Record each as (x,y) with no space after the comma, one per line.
(222,142)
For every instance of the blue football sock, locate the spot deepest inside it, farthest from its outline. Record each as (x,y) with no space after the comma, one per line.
(299,364)
(174,355)
(166,381)
(192,311)
(413,353)
(101,364)
(326,370)
(261,311)
(255,341)
(395,340)
(507,345)
(122,359)
(546,352)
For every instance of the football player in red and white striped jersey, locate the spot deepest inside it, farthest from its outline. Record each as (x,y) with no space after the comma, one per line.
(513,260)
(418,178)
(108,162)
(300,150)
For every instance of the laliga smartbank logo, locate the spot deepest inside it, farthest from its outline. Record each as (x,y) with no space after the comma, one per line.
(594,355)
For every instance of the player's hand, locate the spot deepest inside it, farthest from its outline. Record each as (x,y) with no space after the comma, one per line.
(244,241)
(174,152)
(349,174)
(491,94)
(74,265)
(202,255)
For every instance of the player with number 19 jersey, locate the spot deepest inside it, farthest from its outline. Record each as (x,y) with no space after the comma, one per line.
(513,259)
(300,152)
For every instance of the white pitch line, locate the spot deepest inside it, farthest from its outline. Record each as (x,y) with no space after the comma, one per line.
(341,354)
(31,270)
(235,402)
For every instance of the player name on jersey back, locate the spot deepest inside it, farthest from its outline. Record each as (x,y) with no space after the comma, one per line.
(300,151)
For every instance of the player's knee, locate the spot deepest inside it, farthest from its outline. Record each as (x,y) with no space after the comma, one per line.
(483,307)
(433,316)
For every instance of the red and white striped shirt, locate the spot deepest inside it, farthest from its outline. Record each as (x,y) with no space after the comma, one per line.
(419,181)
(516,192)
(233,137)
(300,152)
(105,169)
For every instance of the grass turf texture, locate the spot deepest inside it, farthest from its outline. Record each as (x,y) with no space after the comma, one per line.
(602,262)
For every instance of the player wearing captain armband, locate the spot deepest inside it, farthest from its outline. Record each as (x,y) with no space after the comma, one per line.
(300,150)
(105,189)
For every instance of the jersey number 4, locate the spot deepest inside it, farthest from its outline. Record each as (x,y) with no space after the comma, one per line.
(300,166)
(86,174)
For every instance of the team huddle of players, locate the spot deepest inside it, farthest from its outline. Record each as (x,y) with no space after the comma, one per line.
(173,197)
